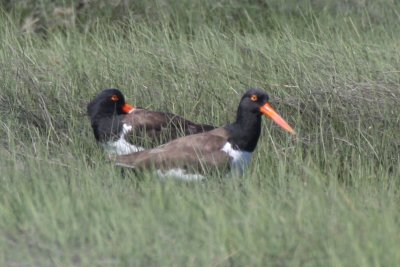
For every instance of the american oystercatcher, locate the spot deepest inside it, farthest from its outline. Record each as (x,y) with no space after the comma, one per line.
(123,129)
(231,146)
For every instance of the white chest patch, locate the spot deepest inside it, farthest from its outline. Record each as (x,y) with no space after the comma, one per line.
(240,159)
(121,146)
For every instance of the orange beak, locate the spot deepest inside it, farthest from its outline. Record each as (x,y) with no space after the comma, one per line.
(126,108)
(270,112)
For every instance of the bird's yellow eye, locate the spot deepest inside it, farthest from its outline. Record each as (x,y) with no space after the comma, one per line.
(254,98)
(114,98)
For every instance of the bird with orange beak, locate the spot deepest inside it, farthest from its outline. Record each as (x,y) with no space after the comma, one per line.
(122,129)
(228,147)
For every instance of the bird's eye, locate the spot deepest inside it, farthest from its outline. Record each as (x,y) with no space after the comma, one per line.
(254,98)
(114,98)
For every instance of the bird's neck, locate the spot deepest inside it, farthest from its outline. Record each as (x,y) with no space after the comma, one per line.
(244,133)
(107,128)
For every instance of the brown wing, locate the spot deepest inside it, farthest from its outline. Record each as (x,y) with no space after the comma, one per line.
(160,127)
(200,151)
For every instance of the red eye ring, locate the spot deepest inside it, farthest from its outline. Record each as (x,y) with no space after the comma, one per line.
(114,98)
(254,98)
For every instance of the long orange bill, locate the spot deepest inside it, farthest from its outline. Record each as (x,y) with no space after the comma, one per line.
(270,112)
(126,108)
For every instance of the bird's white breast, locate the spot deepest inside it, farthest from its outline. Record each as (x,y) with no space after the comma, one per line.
(121,146)
(239,159)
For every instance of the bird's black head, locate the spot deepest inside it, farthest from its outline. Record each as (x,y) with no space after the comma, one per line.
(254,103)
(244,133)
(253,100)
(107,103)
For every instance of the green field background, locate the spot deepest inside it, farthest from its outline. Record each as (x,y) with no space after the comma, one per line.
(327,197)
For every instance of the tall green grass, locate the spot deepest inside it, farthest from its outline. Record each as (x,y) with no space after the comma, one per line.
(328,197)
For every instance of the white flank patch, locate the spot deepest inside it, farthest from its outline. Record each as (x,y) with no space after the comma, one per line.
(126,128)
(122,164)
(240,159)
(121,146)
(180,174)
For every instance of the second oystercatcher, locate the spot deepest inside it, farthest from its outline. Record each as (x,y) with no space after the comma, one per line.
(123,129)
(190,157)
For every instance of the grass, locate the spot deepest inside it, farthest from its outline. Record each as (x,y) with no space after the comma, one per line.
(326,198)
